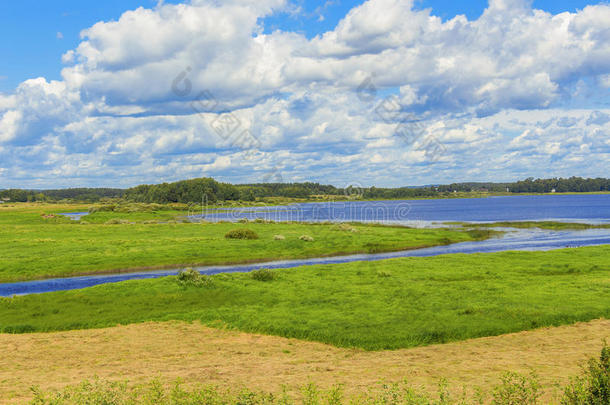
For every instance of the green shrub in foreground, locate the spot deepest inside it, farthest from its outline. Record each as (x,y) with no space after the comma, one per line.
(593,386)
(242,233)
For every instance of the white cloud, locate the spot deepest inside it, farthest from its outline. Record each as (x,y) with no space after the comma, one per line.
(8,125)
(490,90)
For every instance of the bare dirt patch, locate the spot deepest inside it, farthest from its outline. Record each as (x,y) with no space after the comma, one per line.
(198,354)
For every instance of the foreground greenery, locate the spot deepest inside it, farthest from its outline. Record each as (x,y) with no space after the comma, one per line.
(37,243)
(388,304)
(592,387)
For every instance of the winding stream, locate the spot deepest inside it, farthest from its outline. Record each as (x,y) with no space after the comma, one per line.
(514,239)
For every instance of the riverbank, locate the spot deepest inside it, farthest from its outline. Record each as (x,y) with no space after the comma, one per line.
(36,243)
(389,304)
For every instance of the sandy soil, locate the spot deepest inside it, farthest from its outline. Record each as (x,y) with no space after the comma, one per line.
(227,358)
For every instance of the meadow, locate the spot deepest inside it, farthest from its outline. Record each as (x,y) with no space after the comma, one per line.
(390,304)
(222,359)
(37,243)
(592,386)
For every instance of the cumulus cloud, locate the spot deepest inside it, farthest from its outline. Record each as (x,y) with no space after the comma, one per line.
(143,94)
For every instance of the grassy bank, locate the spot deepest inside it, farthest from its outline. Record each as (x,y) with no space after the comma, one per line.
(377,305)
(35,243)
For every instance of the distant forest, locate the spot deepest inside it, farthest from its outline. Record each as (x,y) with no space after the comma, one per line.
(192,191)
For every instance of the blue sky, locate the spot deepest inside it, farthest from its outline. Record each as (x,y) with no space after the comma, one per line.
(30,45)
(504,93)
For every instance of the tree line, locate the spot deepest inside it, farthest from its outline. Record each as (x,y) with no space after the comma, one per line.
(210,190)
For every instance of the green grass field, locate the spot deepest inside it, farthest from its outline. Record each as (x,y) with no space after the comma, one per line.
(35,245)
(389,304)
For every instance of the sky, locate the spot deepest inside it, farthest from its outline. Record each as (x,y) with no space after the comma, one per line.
(378,92)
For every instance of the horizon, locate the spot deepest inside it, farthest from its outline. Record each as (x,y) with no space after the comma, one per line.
(359,186)
(355,92)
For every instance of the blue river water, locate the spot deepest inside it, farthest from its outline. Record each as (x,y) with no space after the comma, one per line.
(566,208)
(588,208)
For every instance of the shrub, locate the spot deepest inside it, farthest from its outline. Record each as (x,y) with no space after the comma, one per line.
(372,247)
(191,277)
(384,274)
(117,221)
(517,389)
(279,237)
(593,387)
(263,275)
(243,220)
(480,234)
(444,241)
(345,228)
(242,233)
(306,238)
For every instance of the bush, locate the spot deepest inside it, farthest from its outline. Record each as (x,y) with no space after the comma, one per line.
(517,389)
(345,228)
(306,238)
(191,277)
(593,387)
(279,237)
(116,221)
(263,275)
(444,241)
(242,233)
(372,247)
(480,234)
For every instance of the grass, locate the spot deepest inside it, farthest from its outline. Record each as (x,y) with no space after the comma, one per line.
(515,389)
(592,386)
(422,301)
(229,359)
(34,244)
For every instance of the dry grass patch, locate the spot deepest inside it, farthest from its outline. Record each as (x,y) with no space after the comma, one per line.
(200,354)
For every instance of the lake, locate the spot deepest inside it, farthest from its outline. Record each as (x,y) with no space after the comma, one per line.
(589,208)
